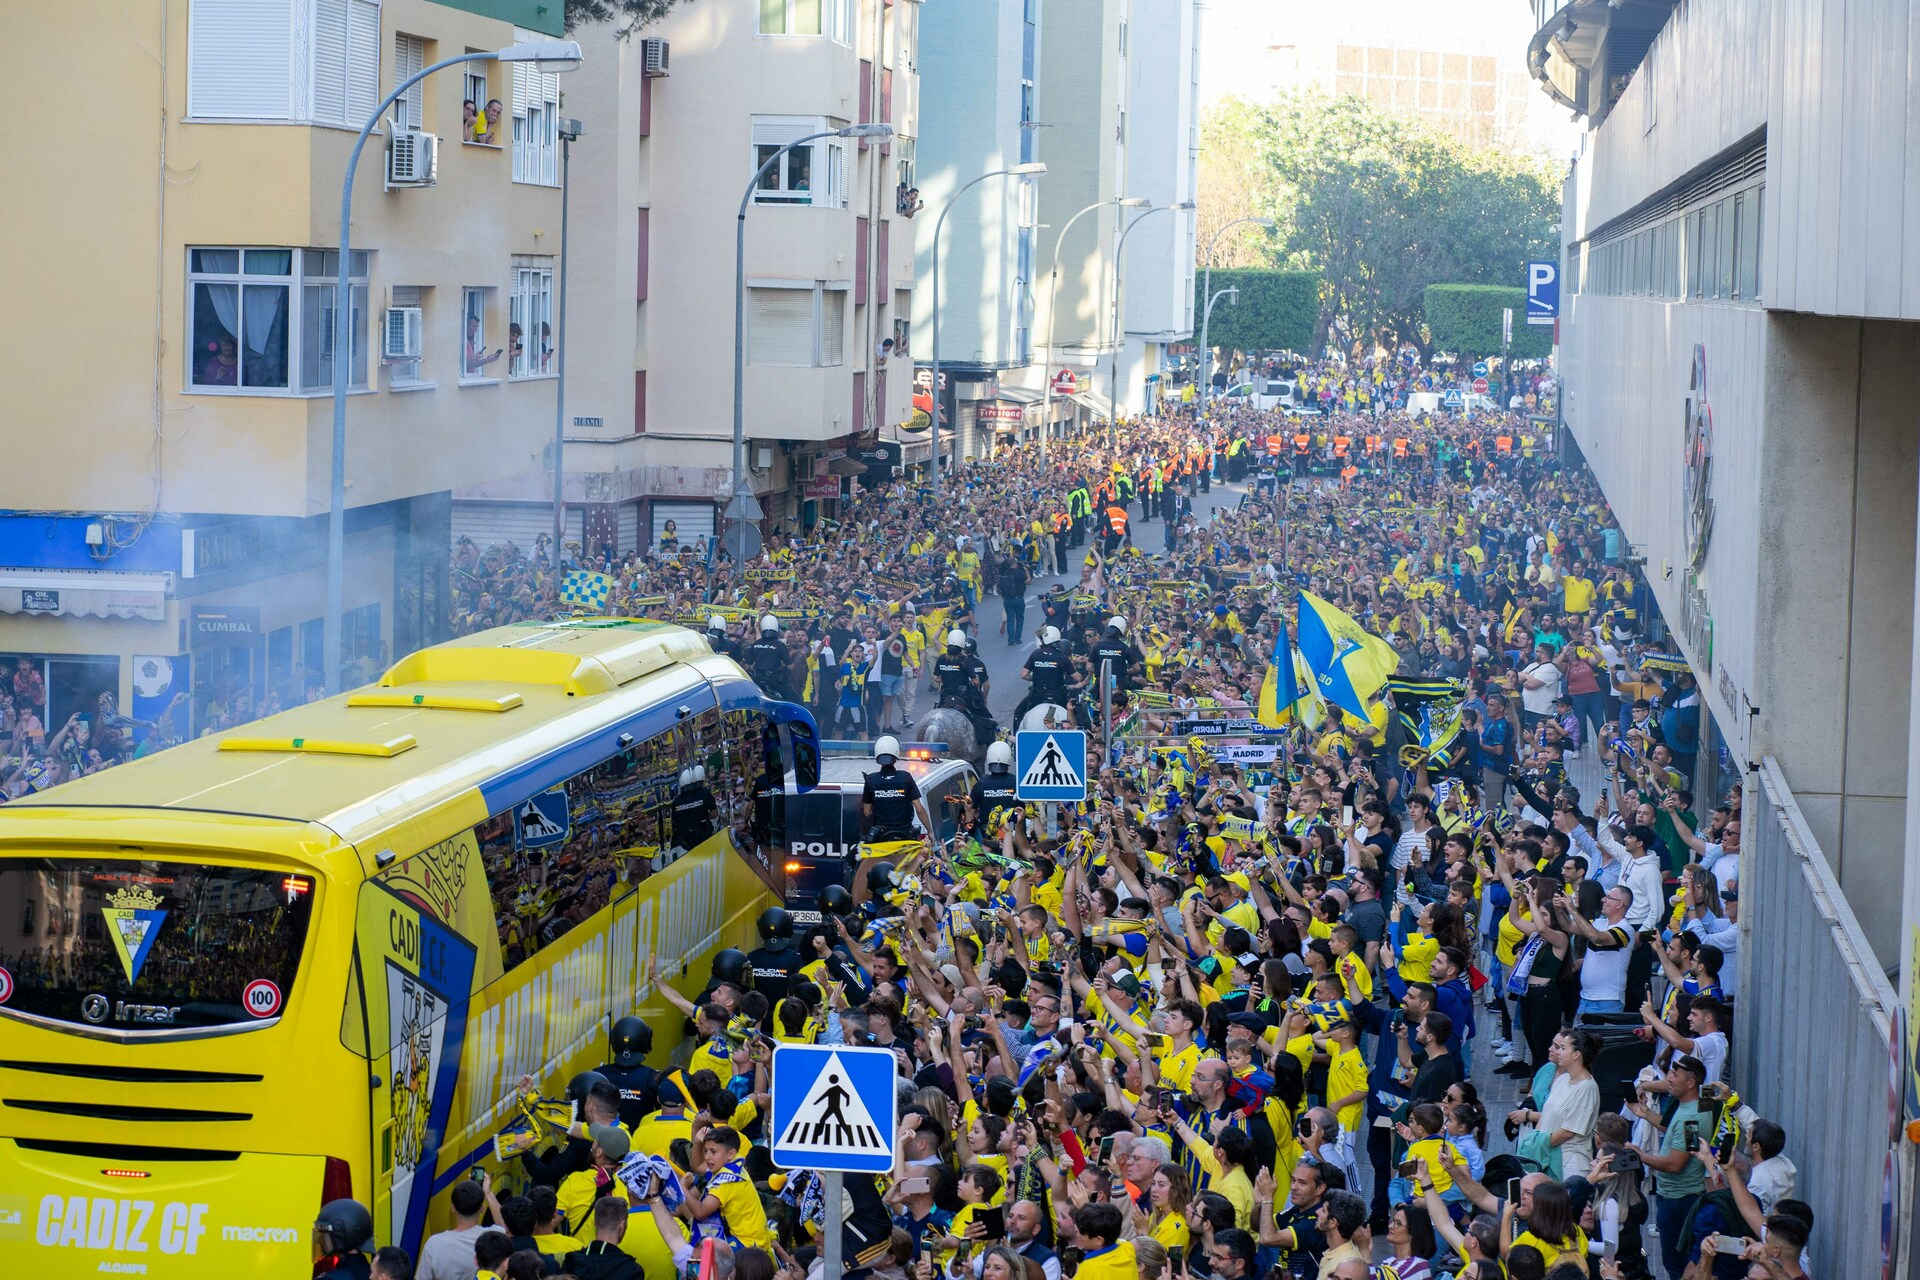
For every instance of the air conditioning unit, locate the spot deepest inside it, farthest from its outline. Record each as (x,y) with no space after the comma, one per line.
(401,333)
(653,57)
(413,159)
(763,458)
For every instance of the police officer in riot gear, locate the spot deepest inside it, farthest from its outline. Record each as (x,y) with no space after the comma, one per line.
(1119,656)
(961,676)
(890,798)
(995,790)
(767,660)
(629,1043)
(694,809)
(1049,667)
(720,642)
(776,961)
(342,1234)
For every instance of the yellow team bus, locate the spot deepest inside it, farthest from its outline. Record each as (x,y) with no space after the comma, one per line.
(310,957)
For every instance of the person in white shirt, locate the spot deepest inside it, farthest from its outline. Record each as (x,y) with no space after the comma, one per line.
(1707,1018)
(1603,969)
(1772,1178)
(1540,684)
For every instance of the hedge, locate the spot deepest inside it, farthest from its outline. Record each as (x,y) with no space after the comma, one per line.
(1465,319)
(1277,309)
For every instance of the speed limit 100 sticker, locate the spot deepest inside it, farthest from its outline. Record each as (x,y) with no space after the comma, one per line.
(6,986)
(262,998)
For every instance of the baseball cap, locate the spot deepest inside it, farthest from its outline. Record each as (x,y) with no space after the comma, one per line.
(1249,959)
(1127,983)
(1688,1063)
(611,1139)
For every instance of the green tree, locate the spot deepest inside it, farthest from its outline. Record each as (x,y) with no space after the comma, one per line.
(1276,310)
(630,14)
(1466,320)
(1381,207)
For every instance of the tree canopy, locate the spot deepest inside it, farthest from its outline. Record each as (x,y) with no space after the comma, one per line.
(1276,309)
(1379,205)
(1465,319)
(630,14)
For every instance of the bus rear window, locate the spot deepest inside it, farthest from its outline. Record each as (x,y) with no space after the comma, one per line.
(143,946)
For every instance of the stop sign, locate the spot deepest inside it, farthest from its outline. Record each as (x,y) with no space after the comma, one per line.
(1480,386)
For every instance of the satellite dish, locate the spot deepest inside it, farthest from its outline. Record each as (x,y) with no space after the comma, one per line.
(742,541)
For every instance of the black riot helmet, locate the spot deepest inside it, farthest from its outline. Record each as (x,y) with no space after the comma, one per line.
(879,879)
(836,901)
(773,923)
(630,1042)
(346,1224)
(581,1085)
(731,966)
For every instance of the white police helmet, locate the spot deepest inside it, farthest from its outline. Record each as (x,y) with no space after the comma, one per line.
(1049,635)
(769,623)
(956,637)
(1118,624)
(886,748)
(716,623)
(1000,754)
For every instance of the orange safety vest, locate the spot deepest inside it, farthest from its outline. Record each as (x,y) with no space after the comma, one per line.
(1117,519)
(1340,445)
(1300,443)
(1400,446)
(1273,446)
(1374,444)
(1060,522)
(1503,443)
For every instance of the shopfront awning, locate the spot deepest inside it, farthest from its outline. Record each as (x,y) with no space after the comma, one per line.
(845,466)
(85,593)
(1094,401)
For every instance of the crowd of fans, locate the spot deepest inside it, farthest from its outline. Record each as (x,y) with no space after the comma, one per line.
(1243,1013)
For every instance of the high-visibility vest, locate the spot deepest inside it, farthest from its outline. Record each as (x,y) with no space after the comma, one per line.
(1117,518)
(1060,522)
(1400,444)
(1340,445)
(1300,442)
(1273,446)
(1374,444)
(1503,443)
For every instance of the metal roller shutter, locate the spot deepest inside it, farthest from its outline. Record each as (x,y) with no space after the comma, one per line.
(691,520)
(521,523)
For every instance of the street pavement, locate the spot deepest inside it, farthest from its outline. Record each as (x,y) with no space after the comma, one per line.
(1004,661)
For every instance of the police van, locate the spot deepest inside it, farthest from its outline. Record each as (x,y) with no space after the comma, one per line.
(823,825)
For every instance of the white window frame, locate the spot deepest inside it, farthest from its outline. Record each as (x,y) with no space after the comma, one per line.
(836,18)
(405,375)
(473,302)
(330,52)
(301,279)
(536,121)
(530,305)
(475,87)
(409,58)
(829,338)
(826,162)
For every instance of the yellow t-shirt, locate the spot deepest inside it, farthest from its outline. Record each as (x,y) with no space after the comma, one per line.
(1347,1073)
(1578,594)
(1115,1262)
(1173,1232)
(740,1207)
(1416,958)
(656,1133)
(1176,1069)
(1577,1251)
(1358,980)
(1427,1152)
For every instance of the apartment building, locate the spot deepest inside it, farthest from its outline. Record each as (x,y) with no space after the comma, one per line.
(979,90)
(163,537)
(676,120)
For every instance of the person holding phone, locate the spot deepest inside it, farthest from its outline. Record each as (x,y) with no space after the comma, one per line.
(1679,1179)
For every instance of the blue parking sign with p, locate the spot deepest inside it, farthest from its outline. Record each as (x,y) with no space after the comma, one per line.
(1543,292)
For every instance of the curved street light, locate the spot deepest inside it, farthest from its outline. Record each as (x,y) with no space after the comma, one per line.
(1206,351)
(1113,359)
(1053,311)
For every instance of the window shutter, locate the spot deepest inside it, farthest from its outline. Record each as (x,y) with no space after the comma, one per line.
(239,59)
(330,61)
(833,327)
(409,56)
(782,326)
(836,185)
(363,60)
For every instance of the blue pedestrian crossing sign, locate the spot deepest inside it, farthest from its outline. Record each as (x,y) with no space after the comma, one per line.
(542,821)
(1050,764)
(1453,399)
(834,1108)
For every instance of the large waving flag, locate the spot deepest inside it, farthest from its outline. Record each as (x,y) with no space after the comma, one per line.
(1287,695)
(1348,663)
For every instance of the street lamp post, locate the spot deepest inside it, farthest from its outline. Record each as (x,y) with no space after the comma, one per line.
(1228,292)
(550,55)
(1033,169)
(1053,310)
(570,131)
(742,505)
(1206,351)
(1119,263)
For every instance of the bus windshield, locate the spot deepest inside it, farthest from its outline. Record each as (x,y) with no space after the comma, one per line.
(131,946)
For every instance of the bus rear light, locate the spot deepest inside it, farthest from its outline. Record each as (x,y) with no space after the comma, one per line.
(337,1183)
(125,1173)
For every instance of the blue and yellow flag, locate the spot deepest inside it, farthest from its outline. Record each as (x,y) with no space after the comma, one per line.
(1285,696)
(586,589)
(1348,663)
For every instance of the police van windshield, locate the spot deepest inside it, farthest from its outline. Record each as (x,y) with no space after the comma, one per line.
(147,946)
